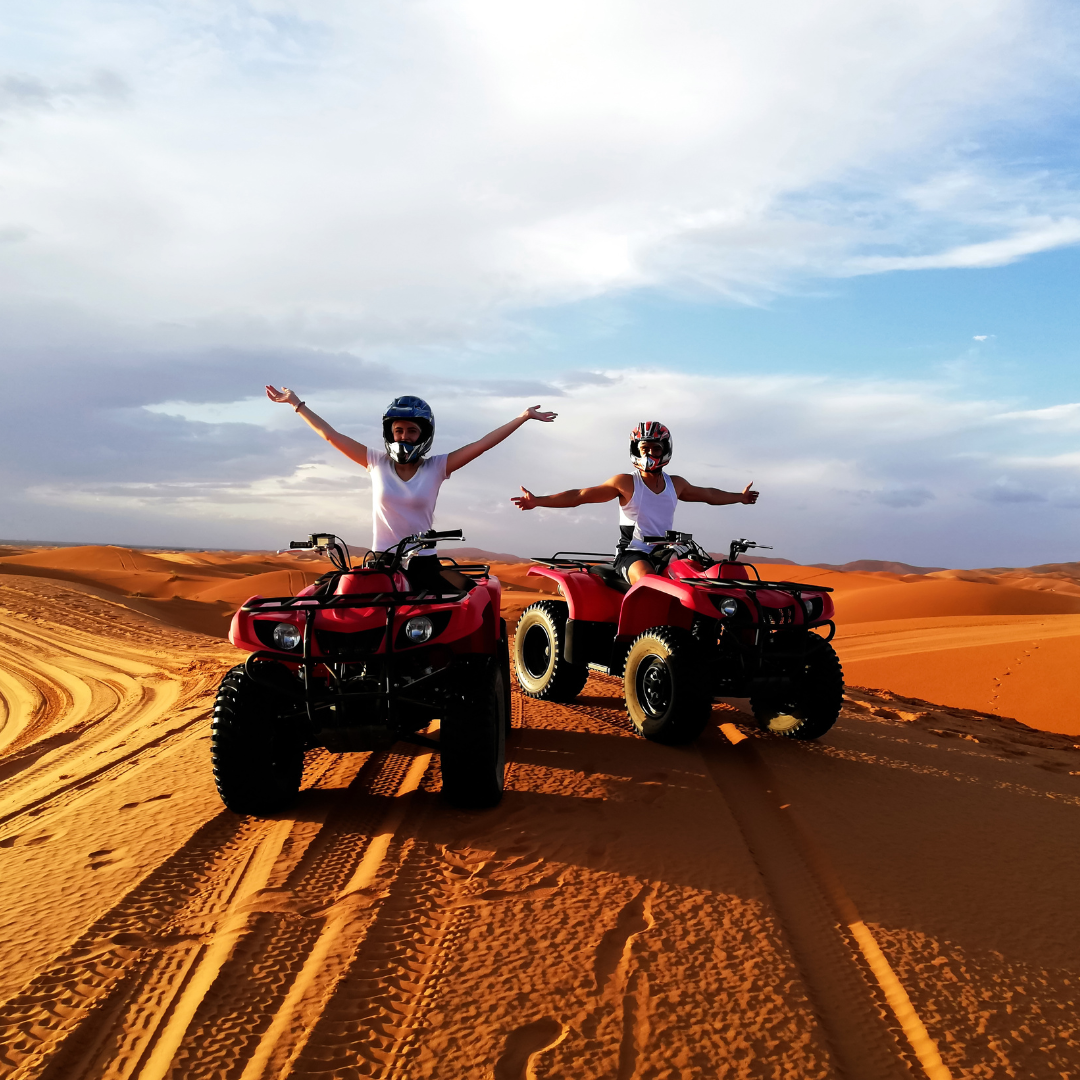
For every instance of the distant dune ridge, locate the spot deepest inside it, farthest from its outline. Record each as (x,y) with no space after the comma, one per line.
(1001,640)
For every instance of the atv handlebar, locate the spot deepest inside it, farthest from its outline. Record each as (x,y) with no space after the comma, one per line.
(686,540)
(738,547)
(337,550)
(392,558)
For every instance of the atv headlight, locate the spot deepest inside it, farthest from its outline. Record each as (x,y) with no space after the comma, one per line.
(813,605)
(418,629)
(728,606)
(286,636)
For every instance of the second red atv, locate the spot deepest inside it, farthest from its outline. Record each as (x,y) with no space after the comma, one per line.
(702,629)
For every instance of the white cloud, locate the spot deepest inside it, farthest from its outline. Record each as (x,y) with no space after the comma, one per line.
(333,173)
(846,468)
(1043,237)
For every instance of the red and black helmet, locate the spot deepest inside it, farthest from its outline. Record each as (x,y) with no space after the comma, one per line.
(650,431)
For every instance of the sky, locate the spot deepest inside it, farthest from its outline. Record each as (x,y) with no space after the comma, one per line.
(834,247)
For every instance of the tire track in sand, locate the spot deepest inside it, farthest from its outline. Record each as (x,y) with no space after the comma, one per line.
(814,911)
(179,978)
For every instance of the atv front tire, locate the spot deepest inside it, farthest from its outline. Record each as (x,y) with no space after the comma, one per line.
(256,742)
(813,704)
(473,738)
(542,670)
(667,693)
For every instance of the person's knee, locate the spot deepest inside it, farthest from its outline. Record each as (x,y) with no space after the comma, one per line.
(638,569)
(455,578)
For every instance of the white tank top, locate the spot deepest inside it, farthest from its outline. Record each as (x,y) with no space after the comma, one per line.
(399,507)
(648,513)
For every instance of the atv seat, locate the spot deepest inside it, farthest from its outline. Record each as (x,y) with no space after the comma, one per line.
(611,578)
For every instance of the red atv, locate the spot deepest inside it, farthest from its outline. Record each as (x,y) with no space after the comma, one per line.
(358,661)
(701,630)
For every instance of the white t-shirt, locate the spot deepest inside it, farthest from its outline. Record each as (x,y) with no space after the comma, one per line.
(649,512)
(403,508)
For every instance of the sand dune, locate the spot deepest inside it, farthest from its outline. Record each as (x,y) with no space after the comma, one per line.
(887,903)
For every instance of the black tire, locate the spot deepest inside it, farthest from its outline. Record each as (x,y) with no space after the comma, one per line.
(666,687)
(257,742)
(473,738)
(813,704)
(504,664)
(542,670)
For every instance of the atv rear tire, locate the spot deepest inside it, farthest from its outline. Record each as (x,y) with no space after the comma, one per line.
(256,742)
(542,670)
(667,693)
(473,739)
(813,705)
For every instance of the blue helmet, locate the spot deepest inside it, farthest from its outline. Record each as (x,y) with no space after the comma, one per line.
(419,412)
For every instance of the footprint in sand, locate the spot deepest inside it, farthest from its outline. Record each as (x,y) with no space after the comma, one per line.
(143,802)
(523,1045)
(614,948)
(21,840)
(107,857)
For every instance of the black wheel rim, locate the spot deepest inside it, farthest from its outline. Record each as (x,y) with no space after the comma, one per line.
(536,651)
(654,686)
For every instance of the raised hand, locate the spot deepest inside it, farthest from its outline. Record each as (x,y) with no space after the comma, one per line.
(284,396)
(535,413)
(526,501)
(749,497)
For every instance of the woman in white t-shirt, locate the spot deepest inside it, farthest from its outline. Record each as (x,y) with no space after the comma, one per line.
(405,482)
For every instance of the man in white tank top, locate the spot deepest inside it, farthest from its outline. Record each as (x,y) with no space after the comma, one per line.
(647,498)
(405,482)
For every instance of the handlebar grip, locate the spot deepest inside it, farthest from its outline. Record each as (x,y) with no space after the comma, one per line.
(299,543)
(655,539)
(448,534)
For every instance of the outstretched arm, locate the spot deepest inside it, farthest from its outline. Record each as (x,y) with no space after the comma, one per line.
(687,492)
(349,447)
(605,492)
(466,454)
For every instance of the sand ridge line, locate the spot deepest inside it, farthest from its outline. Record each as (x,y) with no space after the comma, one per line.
(943,774)
(166,740)
(846,1004)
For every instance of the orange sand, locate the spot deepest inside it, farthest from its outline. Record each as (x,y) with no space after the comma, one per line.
(890,901)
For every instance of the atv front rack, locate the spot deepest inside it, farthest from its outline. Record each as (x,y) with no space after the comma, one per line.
(352,600)
(746,583)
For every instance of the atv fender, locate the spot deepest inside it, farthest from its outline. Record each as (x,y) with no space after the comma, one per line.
(659,601)
(587,597)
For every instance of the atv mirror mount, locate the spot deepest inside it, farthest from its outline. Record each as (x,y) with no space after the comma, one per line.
(738,547)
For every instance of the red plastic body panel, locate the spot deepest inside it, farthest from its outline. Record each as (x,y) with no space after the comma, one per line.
(728,571)
(586,595)
(473,625)
(657,600)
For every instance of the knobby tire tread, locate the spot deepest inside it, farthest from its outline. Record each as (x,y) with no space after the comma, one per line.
(565,681)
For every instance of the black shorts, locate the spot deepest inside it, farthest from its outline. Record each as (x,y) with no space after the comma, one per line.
(425,572)
(628,556)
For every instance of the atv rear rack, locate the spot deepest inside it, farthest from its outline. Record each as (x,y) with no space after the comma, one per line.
(563,559)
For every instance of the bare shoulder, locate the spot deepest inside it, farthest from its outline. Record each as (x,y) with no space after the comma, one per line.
(623,483)
(679,483)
